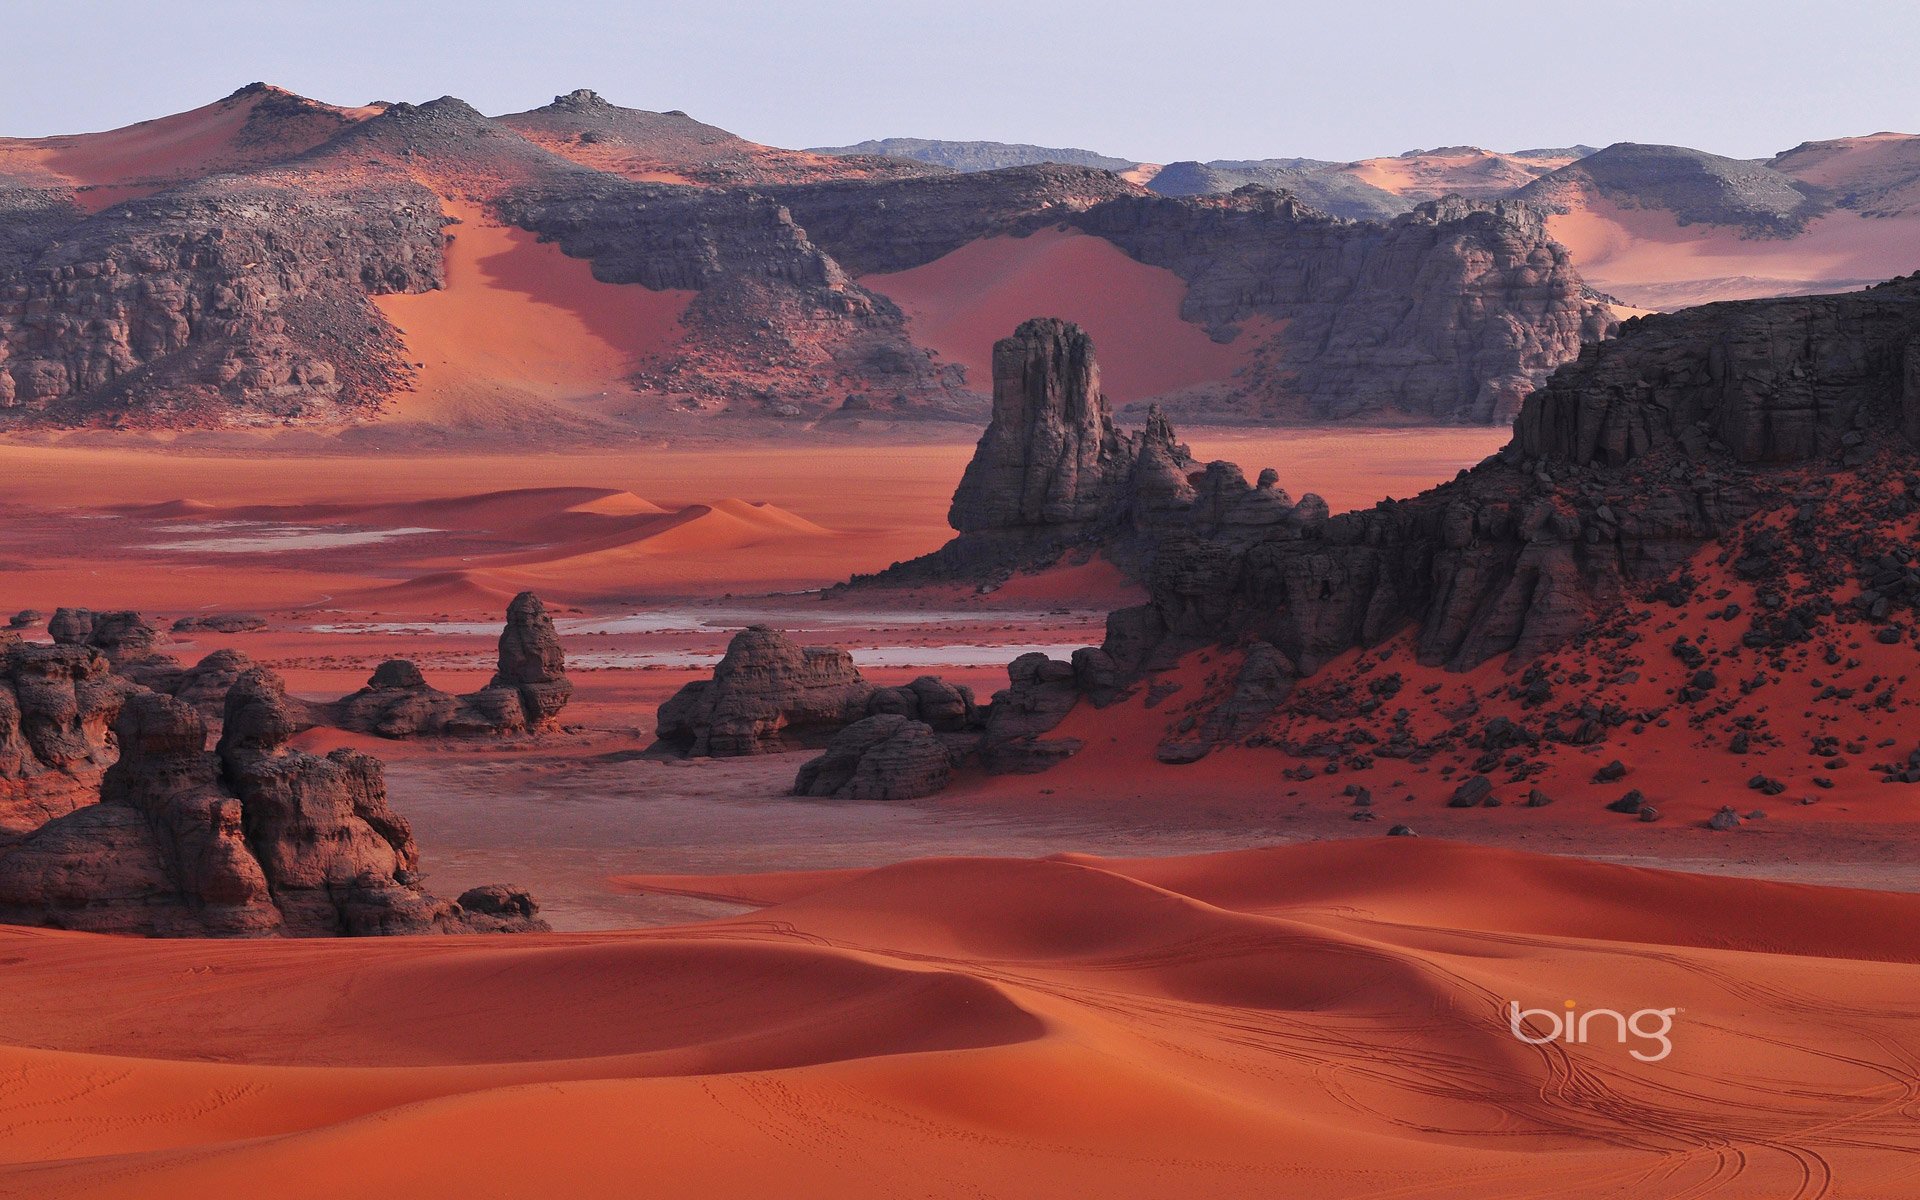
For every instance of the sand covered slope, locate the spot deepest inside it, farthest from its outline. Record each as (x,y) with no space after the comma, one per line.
(1328,1019)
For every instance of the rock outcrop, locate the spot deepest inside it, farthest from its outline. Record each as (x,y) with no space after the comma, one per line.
(1629,461)
(133,648)
(1053,476)
(250,839)
(1041,692)
(1451,312)
(241,298)
(58,705)
(767,694)
(527,692)
(883,757)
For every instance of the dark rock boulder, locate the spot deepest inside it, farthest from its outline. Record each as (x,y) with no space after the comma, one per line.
(884,757)
(1040,694)
(767,694)
(532,662)
(527,692)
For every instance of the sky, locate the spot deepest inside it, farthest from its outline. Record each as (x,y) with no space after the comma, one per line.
(1174,79)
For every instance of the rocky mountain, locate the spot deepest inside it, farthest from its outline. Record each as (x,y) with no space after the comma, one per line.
(1732,425)
(1696,187)
(1713,502)
(247,281)
(672,147)
(977,156)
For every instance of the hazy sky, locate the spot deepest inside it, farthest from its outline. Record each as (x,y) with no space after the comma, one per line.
(1160,80)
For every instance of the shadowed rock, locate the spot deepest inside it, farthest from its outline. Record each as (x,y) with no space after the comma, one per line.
(527,692)
(1052,477)
(252,839)
(767,694)
(886,757)
(57,709)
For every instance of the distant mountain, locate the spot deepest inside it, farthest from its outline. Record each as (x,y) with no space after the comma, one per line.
(1317,183)
(1695,186)
(1369,189)
(979,156)
(672,147)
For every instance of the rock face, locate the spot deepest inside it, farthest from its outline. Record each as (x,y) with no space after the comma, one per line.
(1052,475)
(1451,312)
(1050,458)
(1624,465)
(58,705)
(767,694)
(251,839)
(243,296)
(885,757)
(213,301)
(526,694)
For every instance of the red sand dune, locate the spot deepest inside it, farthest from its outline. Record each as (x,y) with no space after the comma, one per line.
(851,509)
(960,304)
(1327,1019)
(120,164)
(519,321)
(1648,259)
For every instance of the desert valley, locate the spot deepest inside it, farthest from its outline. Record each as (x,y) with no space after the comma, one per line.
(575,653)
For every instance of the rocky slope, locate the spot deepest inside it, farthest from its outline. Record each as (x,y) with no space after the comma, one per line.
(1711,426)
(1693,185)
(977,156)
(234,286)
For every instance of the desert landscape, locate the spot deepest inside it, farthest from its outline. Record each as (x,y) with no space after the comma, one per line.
(574,652)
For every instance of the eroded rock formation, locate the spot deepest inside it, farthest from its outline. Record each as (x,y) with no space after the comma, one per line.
(58,705)
(883,757)
(527,692)
(250,839)
(1625,464)
(134,650)
(767,694)
(1052,476)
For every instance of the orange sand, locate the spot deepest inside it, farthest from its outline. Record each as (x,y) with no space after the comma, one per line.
(519,320)
(582,527)
(1480,173)
(959,305)
(1324,1020)
(175,147)
(1646,258)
